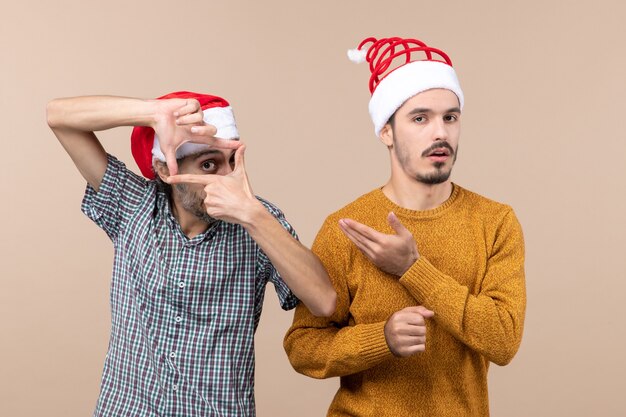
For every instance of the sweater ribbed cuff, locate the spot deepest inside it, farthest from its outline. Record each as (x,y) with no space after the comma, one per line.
(422,279)
(372,343)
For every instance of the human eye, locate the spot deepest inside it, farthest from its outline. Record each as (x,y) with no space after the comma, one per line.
(419,119)
(450,118)
(208,166)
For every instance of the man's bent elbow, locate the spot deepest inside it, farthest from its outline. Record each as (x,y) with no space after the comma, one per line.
(505,354)
(52,113)
(301,359)
(326,307)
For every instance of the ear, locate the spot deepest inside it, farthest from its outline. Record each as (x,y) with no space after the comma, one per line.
(161,169)
(386,135)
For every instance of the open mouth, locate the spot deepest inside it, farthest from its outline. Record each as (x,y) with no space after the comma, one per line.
(441,152)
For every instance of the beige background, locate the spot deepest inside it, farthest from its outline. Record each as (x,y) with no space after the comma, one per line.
(544,130)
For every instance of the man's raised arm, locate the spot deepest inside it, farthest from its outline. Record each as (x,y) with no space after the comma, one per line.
(175,121)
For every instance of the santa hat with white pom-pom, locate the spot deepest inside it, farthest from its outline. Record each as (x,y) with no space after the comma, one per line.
(216,111)
(392,86)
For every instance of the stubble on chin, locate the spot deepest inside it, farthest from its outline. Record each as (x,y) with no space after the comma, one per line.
(193,203)
(441,174)
(437,177)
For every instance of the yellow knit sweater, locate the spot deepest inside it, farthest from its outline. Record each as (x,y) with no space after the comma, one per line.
(470,273)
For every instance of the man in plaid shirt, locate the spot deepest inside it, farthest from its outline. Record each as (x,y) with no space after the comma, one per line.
(194,249)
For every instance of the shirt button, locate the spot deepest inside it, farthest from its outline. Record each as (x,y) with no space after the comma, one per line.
(175,387)
(172,355)
(181,284)
(178,319)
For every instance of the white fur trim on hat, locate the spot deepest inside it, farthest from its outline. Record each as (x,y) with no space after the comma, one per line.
(220,117)
(407,81)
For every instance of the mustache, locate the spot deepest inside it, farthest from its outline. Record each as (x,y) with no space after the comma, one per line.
(438,145)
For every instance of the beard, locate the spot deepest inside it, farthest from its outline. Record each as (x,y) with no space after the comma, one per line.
(440,175)
(193,203)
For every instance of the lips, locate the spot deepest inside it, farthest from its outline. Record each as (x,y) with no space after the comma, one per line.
(440,149)
(439,152)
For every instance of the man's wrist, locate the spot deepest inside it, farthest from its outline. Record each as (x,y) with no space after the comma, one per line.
(414,258)
(155,112)
(254,214)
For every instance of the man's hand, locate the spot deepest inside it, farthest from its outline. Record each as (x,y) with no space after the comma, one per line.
(177,121)
(405,331)
(393,254)
(228,197)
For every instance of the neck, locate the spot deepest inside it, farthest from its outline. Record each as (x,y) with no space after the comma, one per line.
(414,195)
(190,224)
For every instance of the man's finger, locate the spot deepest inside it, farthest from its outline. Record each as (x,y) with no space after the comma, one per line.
(360,245)
(425,312)
(239,159)
(363,240)
(204,179)
(411,350)
(421,310)
(396,224)
(204,134)
(416,331)
(191,106)
(170,160)
(363,230)
(190,119)
(204,130)
(415,319)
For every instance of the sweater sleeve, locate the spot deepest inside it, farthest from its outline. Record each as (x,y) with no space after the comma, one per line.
(326,347)
(490,322)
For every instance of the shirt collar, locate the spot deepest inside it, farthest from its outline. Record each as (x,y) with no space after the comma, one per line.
(164,210)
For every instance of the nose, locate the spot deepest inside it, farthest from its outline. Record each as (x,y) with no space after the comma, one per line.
(440,130)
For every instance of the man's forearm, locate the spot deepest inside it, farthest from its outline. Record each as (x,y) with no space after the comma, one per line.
(298,266)
(94,113)
(73,121)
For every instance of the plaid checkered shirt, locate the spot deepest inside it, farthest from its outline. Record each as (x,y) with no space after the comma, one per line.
(183,311)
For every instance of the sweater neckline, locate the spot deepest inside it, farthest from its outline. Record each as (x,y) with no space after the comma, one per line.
(399,210)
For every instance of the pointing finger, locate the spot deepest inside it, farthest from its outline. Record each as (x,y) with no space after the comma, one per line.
(204,179)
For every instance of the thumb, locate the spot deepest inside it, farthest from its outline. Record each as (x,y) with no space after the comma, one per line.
(170,160)
(239,160)
(396,224)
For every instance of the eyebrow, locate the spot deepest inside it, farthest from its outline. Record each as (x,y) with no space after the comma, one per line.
(205,153)
(427,110)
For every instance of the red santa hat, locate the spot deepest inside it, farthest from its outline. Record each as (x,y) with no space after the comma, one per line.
(217,112)
(422,68)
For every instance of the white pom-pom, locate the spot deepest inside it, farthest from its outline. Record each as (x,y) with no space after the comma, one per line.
(357,55)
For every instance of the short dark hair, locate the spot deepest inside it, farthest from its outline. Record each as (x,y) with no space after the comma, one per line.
(392,120)
(163,186)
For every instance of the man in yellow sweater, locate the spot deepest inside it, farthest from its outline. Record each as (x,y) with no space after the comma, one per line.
(429,276)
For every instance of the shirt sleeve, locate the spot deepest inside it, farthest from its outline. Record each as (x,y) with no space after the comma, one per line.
(489,322)
(287,299)
(118,196)
(324,347)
